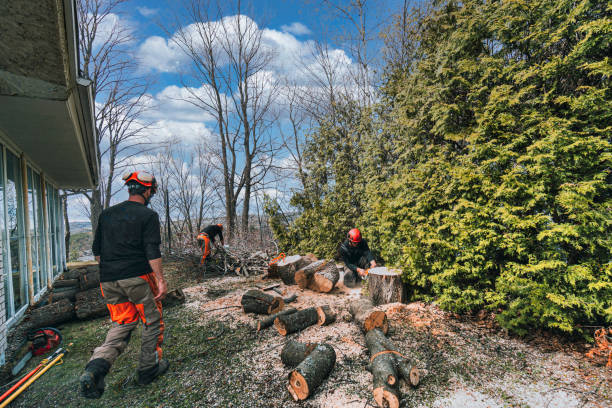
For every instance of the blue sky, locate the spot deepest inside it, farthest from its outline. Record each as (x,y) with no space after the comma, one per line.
(288,27)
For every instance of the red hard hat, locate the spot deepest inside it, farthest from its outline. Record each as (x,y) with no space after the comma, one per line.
(354,235)
(142,178)
(220,226)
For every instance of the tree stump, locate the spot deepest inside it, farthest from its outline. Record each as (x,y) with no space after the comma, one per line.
(294,352)
(325,315)
(90,304)
(269,321)
(385,286)
(287,324)
(367,318)
(387,366)
(325,279)
(52,314)
(285,269)
(255,301)
(304,275)
(311,372)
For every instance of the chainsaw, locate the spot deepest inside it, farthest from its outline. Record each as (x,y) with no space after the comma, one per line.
(41,342)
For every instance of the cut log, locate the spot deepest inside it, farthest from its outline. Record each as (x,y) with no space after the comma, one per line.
(269,321)
(294,352)
(387,366)
(255,301)
(58,295)
(52,314)
(285,269)
(367,318)
(90,304)
(74,273)
(290,299)
(386,286)
(325,315)
(325,279)
(89,280)
(66,283)
(304,275)
(173,298)
(310,373)
(291,323)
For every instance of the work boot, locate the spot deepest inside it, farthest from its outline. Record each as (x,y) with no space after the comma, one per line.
(92,379)
(147,376)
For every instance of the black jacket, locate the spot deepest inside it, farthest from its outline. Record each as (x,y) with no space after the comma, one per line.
(126,239)
(356,257)
(213,231)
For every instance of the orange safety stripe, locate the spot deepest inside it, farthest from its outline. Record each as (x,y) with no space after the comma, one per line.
(123,313)
(205,249)
(152,280)
(280,257)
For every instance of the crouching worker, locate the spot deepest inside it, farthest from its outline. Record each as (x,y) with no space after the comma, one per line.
(207,237)
(357,257)
(126,245)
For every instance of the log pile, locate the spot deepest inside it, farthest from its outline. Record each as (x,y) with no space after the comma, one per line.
(366,317)
(385,286)
(320,276)
(388,366)
(311,371)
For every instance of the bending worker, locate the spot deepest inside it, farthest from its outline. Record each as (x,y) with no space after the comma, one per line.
(357,257)
(208,234)
(126,245)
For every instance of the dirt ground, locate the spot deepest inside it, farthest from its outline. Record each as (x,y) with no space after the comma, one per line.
(219,360)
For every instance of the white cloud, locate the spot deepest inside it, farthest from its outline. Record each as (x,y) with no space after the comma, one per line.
(158,54)
(296,28)
(173,102)
(147,11)
(187,133)
(112,26)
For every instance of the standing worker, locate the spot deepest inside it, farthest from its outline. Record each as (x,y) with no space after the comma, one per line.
(357,257)
(126,245)
(208,234)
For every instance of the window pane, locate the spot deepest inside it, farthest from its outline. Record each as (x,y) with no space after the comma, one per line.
(16,232)
(3,246)
(42,233)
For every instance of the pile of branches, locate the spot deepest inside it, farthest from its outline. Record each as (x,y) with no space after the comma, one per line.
(236,260)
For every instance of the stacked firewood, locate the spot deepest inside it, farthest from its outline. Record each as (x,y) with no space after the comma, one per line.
(77,295)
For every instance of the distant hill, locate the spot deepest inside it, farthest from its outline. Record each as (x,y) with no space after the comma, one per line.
(80,226)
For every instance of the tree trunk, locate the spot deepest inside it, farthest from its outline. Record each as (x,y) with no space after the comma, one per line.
(387,366)
(89,280)
(291,323)
(95,208)
(325,315)
(90,304)
(255,301)
(325,279)
(310,373)
(294,352)
(304,275)
(285,269)
(386,286)
(66,283)
(52,314)
(367,318)
(269,321)
(58,295)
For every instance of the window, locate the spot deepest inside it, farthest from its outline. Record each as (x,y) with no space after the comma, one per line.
(16,287)
(55,229)
(37,232)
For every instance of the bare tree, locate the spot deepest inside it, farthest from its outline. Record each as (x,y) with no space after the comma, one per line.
(229,58)
(118,93)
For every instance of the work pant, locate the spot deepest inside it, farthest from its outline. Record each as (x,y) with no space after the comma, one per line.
(204,241)
(130,301)
(352,278)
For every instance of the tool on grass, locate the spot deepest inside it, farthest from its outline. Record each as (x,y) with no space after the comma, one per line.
(32,376)
(42,341)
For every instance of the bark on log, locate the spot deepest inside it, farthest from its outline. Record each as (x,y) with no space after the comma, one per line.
(66,283)
(74,273)
(269,321)
(285,269)
(325,315)
(325,279)
(366,318)
(387,366)
(294,352)
(90,304)
(291,323)
(57,295)
(89,280)
(255,301)
(386,286)
(173,298)
(304,275)
(310,373)
(52,314)
(290,299)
